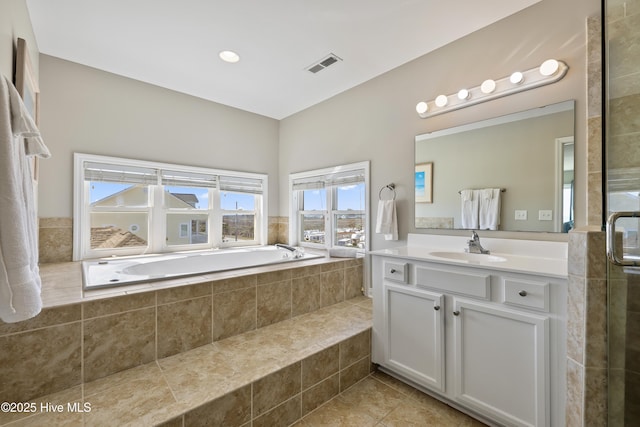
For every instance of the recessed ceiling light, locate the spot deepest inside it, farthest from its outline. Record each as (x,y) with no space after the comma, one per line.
(229,56)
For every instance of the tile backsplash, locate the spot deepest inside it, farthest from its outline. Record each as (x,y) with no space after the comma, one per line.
(56,237)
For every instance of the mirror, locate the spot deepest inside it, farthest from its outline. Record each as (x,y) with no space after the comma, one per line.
(510,173)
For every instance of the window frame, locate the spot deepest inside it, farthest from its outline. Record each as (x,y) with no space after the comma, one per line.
(223,212)
(159,211)
(296,207)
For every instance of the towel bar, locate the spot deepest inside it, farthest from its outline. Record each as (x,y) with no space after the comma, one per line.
(502,190)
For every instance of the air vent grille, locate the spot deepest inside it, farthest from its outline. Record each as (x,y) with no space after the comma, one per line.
(323,63)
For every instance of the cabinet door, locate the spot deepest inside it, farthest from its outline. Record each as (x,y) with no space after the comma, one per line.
(414,334)
(501,362)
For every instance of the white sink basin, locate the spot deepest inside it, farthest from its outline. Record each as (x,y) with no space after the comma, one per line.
(469,257)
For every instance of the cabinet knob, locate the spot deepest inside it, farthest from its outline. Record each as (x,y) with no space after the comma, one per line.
(436,307)
(456,313)
(522,293)
(393,270)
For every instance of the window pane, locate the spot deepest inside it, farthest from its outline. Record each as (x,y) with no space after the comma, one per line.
(351,197)
(187,229)
(238,227)
(237,201)
(349,230)
(119,229)
(186,198)
(109,194)
(313,228)
(314,200)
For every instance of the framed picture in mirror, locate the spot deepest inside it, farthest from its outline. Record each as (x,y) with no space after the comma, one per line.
(424,182)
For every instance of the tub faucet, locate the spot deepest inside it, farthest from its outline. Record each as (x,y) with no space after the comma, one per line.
(295,252)
(474,245)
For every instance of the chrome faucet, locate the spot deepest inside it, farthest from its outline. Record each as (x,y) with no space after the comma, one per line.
(295,252)
(474,245)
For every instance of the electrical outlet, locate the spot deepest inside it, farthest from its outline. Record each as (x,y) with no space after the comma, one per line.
(545,215)
(521,215)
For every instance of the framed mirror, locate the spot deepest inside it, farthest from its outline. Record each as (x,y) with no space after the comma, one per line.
(525,159)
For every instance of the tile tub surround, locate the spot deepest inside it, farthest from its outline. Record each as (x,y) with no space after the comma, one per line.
(270,376)
(81,338)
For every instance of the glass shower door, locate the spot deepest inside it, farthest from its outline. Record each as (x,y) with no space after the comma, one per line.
(622,189)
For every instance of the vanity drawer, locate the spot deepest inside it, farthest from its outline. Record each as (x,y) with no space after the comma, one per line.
(396,271)
(526,293)
(471,284)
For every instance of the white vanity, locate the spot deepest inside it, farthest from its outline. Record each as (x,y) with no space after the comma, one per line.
(485,333)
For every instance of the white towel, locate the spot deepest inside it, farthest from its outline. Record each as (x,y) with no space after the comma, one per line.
(469,200)
(19,276)
(489,210)
(387,222)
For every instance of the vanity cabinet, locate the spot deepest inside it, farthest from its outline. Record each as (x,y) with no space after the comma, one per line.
(500,362)
(490,342)
(417,351)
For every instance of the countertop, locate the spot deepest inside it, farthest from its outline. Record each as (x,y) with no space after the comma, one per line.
(527,264)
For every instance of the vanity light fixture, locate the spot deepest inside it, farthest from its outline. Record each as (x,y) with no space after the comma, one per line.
(488,86)
(229,56)
(550,71)
(516,78)
(549,67)
(463,94)
(422,108)
(441,101)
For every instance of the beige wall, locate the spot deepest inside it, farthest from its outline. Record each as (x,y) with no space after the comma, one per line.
(15,23)
(377,121)
(90,111)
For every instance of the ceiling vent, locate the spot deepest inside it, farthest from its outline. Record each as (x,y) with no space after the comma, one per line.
(324,63)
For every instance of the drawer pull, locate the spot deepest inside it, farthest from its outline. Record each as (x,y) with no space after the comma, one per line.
(393,270)
(522,293)
(436,307)
(456,313)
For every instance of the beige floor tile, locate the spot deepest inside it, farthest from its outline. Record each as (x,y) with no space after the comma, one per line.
(410,413)
(338,413)
(372,397)
(386,402)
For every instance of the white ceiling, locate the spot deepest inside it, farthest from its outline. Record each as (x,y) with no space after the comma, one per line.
(175,43)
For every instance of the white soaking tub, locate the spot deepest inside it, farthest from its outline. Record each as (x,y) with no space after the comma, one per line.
(108,272)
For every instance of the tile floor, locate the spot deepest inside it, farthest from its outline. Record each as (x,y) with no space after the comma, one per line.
(382,401)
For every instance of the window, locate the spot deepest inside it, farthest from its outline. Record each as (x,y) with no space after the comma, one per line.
(125,207)
(329,207)
(238,204)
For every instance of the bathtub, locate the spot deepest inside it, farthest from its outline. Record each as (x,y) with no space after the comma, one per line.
(109,272)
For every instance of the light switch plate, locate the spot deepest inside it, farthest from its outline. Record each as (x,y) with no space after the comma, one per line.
(521,215)
(545,215)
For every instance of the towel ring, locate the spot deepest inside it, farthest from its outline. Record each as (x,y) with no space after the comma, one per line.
(391,187)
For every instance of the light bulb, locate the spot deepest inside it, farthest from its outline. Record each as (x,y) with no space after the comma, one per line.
(229,56)
(516,78)
(464,94)
(441,100)
(549,67)
(488,86)
(422,107)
